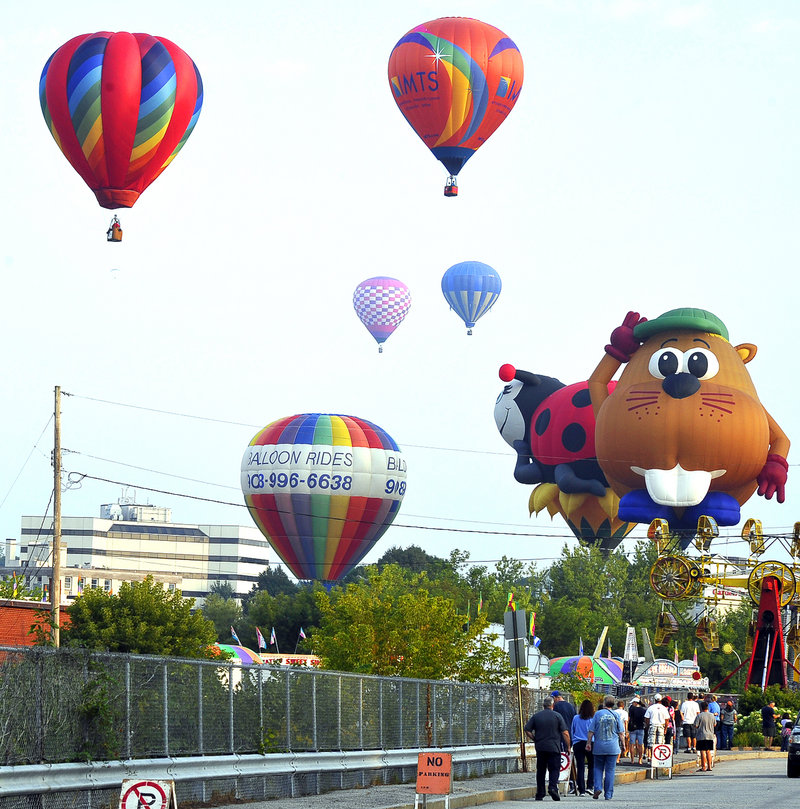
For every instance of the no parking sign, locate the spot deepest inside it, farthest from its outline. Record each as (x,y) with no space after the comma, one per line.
(566,763)
(662,756)
(148,795)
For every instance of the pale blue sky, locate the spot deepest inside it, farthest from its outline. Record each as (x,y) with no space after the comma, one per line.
(651,162)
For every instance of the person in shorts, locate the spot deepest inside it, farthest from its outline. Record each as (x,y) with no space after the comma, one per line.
(636,712)
(689,711)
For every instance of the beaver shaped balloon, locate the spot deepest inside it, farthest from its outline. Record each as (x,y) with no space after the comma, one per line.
(684,433)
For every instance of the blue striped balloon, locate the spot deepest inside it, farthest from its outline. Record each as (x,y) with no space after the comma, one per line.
(471,288)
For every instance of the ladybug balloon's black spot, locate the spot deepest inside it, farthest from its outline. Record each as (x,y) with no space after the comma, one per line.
(582,398)
(542,421)
(573,437)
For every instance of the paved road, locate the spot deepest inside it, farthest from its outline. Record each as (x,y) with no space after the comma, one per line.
(740,779)
(730,785)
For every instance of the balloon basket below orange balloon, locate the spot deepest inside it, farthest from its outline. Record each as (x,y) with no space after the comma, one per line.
(113,198)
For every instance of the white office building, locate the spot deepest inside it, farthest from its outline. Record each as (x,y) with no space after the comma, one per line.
(129,541)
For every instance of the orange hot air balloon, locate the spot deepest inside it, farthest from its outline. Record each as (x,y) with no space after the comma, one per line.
(456,80)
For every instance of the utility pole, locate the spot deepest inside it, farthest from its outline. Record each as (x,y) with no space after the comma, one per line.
(55,582)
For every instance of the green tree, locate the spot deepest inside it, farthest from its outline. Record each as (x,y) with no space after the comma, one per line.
(142,618)
(223,613)
(391,624)
(273,581)
(15,588)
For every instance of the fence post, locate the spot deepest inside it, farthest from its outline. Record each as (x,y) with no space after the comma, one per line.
(400,713)
(339,713)
(418,739)
(128,746)
(380,715)
(314,740)
(289,712)
(360,713)
(200,709)
(165,693)
(450,709)
(230,710)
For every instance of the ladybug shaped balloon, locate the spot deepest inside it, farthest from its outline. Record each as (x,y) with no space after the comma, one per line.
(551,426)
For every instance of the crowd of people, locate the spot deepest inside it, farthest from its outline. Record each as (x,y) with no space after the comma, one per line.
(600,736)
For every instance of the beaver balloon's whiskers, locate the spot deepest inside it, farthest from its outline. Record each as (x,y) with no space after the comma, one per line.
(715,401)
(642,398)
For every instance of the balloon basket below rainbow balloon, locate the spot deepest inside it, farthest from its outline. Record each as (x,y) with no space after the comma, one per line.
(114,232)
(451,187)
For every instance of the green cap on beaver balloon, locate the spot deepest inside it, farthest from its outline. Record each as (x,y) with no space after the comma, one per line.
(684,318)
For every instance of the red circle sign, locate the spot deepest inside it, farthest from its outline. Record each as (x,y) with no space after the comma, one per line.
(662,752)
(145,795)
(565,762)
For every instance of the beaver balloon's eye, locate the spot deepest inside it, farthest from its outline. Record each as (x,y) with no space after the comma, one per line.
(665,362)
(701,363)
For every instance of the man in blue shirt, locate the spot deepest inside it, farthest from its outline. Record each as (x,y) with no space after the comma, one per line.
(713,707)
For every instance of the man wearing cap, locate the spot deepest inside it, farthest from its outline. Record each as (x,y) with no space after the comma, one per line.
(547,730)
(680,366)
(656,718)
(566,709)
(727,721)
(636,713)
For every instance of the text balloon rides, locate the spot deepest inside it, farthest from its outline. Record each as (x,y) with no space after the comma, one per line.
(471,288)
(455,80)
(381,304)
(120,106)
(323,489)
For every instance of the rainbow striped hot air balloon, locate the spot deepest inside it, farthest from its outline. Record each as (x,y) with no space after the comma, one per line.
(120,107)
(471,288)
(455,80)
(323,489)
(381,304)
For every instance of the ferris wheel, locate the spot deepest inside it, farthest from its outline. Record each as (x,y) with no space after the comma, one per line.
(686,570)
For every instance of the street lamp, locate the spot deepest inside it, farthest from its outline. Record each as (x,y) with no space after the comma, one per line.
(727,648)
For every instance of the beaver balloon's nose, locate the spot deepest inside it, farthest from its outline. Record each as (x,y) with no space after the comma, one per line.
(679,386)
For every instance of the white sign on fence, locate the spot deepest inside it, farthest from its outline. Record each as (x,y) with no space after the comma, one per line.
(148,795)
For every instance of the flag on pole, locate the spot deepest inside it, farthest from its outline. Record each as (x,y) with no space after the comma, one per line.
(676,653)
(532,625)
(273,641)
(480,603)
(262,644)
(580,648)
(235,636)
(536,642)
(694,659)
(302,634)
(511,605)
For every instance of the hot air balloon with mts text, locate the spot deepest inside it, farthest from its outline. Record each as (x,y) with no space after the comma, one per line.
(471,288)
(455,80)
(381,304)
(120,106)
(323,489)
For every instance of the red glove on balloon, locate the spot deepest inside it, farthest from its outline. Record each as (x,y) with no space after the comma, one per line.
(623,343)
(772,478)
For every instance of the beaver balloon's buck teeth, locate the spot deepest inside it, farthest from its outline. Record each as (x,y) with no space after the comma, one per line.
(677,487)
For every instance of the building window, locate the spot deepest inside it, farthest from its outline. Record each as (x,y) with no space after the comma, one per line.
(171,587)
(95,582)
(107,585)
(67,584)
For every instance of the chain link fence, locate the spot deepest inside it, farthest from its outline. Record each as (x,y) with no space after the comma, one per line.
(62,705)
